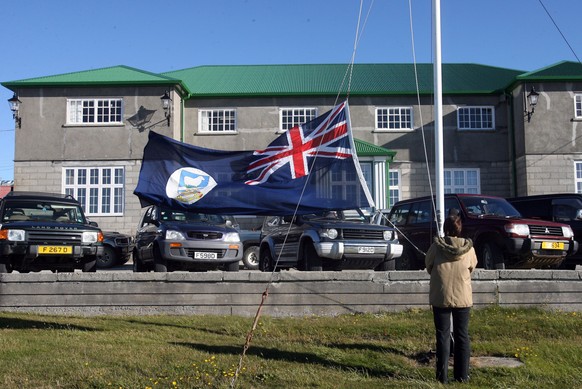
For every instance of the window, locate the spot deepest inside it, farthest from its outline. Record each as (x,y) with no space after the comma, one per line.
(393,186)
(394,118)
(578,177)
(462,181)
(100,190)
(291,117)
(94,111)
(217,120)
(578,106)
(476,118)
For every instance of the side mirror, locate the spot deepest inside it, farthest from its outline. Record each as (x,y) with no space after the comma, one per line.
(579,214)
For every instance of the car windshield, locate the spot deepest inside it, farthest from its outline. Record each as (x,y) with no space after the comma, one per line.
(190,217)
(42,211)
(485,206)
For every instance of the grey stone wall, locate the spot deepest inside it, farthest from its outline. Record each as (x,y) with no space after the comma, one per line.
(289,294)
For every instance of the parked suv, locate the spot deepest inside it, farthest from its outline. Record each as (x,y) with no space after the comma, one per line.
(169,240)
(559,207)
(331,241)
(40,231)
(501,236)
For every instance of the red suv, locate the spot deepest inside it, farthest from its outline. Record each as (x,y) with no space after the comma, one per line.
(501,236)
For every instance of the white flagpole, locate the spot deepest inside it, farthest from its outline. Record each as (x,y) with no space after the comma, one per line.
(438,118)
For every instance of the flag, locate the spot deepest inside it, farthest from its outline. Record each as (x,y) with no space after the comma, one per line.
(310,168)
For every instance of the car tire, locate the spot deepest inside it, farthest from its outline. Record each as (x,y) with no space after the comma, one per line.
(311,259)
(406,261)
(138,266)
(5,267)
(251,258)
(231,266)
(490,256)
(108,259)
(265,261)
(160,263)
(90,267)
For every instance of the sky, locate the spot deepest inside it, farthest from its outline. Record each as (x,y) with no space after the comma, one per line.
(43,38)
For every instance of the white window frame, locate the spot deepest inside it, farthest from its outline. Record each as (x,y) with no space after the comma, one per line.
(99,189)
(76,116)
(298,115)
(578,106)
(476,120)
(395,119)
(578,176)
(394,186)
(466,180)
(224,127)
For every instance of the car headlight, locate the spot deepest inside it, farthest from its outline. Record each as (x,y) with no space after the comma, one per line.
(90,237)
(330,233)
(567,232)
(174,235)
(13,235)
(517,229)
(389,235)
(231,237)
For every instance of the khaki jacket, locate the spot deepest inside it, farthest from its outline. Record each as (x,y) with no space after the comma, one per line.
(450,261)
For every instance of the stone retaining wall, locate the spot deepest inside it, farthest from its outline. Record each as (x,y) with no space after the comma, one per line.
(290,293)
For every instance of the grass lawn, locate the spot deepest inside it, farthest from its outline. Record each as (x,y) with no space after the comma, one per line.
(350,351)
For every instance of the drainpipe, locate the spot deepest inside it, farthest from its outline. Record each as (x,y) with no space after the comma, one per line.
(511,129)
(181,119)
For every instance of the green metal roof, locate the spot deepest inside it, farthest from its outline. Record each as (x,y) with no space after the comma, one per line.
(329,79)
(365,149)
(561,71)
(115,75)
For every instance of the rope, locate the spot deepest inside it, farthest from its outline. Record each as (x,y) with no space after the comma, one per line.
(265,294)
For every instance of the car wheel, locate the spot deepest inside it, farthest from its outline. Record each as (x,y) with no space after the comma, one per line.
(108,259)
(251,258)
(232,266)
(5,268)
(406,261)
(160,264)
(388,265)
(265,261)
(491,256)
(311,259)
(138,266)
(90,267)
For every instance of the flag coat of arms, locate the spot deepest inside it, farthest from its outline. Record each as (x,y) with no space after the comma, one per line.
(310,168)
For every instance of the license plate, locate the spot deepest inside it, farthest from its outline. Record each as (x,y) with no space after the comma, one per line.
(365,250)
(553,245)
(205,255)
(48,250)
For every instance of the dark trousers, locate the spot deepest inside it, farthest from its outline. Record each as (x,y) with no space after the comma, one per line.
(462,344)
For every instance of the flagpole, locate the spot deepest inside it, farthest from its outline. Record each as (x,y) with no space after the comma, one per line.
(438,118)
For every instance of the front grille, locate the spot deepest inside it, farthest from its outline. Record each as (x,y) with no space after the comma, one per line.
(544,230)
(219,252)
(205,235)
(363,234)
(54,237)
(121,242)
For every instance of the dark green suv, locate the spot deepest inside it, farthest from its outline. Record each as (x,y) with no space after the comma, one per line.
(40,231)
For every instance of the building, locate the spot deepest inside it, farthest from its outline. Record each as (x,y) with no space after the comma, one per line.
(83,133)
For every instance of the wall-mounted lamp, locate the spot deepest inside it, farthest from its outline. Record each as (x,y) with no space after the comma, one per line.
(166,105)
(532,98)
(14,107)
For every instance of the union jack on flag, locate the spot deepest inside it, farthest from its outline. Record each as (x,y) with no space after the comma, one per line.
(326,136)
